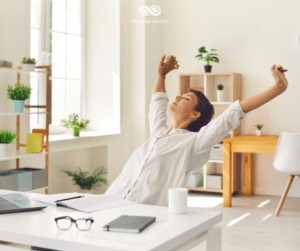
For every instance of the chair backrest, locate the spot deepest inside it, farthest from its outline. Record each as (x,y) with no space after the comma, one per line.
(287,155)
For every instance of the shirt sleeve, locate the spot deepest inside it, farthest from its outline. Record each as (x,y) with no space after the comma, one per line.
(158,113)
(217,129)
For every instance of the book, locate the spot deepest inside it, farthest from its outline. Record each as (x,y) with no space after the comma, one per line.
(95,203)
(43,132)
(129,224)
(34,143)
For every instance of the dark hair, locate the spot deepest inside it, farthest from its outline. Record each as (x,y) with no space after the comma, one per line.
(205,108)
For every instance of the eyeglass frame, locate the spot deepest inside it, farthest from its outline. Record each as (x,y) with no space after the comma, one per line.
(73,220)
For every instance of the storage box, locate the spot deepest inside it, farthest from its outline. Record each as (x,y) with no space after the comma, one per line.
(23,179)
(216,152)
(39,176)
(214,181)
(195,180)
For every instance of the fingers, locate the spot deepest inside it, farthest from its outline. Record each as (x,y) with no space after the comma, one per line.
(162,59)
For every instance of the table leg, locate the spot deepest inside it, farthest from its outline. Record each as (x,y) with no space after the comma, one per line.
(214,240)
(248,174)
(227,195)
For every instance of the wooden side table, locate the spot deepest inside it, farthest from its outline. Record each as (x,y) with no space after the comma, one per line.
(247,144)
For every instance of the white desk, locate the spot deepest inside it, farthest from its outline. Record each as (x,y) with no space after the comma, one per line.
(169,232)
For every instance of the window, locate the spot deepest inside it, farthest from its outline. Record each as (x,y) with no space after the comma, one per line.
(56,39)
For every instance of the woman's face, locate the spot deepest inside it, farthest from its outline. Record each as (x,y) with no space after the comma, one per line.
(183,106)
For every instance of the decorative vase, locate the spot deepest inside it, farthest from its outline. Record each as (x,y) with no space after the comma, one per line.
(220,95)
(19,106)
(76,132)
(258,132)
(28,67)
(69,131)
(4,150)
(207,68)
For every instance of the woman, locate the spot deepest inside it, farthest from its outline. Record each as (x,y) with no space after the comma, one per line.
(167,159)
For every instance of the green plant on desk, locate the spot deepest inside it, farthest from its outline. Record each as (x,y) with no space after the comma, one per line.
(85,182)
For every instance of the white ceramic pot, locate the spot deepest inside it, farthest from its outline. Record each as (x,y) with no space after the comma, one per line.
(258,132)
(69,131)
(220,95)
(28,67)
(4,150)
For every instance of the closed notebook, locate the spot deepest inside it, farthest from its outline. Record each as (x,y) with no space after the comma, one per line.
(129,224)
(34,142)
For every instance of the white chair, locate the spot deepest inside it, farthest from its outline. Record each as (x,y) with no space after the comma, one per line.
(287,160)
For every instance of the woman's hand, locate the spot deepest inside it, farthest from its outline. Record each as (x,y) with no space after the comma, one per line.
(279,76)
(169,65)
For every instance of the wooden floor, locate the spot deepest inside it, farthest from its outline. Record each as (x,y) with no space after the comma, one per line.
(250,225)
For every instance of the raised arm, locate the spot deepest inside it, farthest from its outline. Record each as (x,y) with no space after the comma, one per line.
(163,69)
(280,86)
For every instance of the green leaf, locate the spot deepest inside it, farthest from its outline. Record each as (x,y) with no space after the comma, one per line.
(202,50)
(81,179)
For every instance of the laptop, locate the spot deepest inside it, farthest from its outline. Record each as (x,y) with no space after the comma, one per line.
(14,203)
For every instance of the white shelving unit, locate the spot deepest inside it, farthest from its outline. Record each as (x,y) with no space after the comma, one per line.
(20,147)
(207,83)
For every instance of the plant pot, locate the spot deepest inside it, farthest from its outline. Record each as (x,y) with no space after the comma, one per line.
(28,67)
(69,131)
(207,68)
(19,106)
(76,132)
(220,95)
(258,132)
(4,150)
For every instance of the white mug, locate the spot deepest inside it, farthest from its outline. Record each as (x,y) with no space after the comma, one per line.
(178,200)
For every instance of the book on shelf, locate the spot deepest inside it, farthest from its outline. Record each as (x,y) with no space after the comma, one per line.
(34,143)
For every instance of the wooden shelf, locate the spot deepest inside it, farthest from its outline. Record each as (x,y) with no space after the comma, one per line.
(207,83)
(21,154)
(215,161)
(14,114)
(205,189)
(7,69)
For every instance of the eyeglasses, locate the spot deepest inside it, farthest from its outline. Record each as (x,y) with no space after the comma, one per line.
(65,222)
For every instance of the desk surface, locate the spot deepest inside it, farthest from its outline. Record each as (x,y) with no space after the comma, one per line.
(38,228)
(252,139)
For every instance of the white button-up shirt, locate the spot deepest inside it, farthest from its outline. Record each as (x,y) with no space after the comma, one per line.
(166,160)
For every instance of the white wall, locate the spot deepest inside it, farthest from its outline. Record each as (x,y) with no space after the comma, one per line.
(250,36)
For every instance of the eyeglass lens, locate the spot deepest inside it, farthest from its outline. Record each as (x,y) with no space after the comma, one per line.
(82,224)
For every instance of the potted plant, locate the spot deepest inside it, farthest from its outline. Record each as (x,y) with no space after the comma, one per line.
(209,57)
(18,95)
(258,132)
(28,64)
(220,93)
(86,183)
(6,138)
(74,124)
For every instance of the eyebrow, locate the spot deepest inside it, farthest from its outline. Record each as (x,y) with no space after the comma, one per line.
(188,95)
